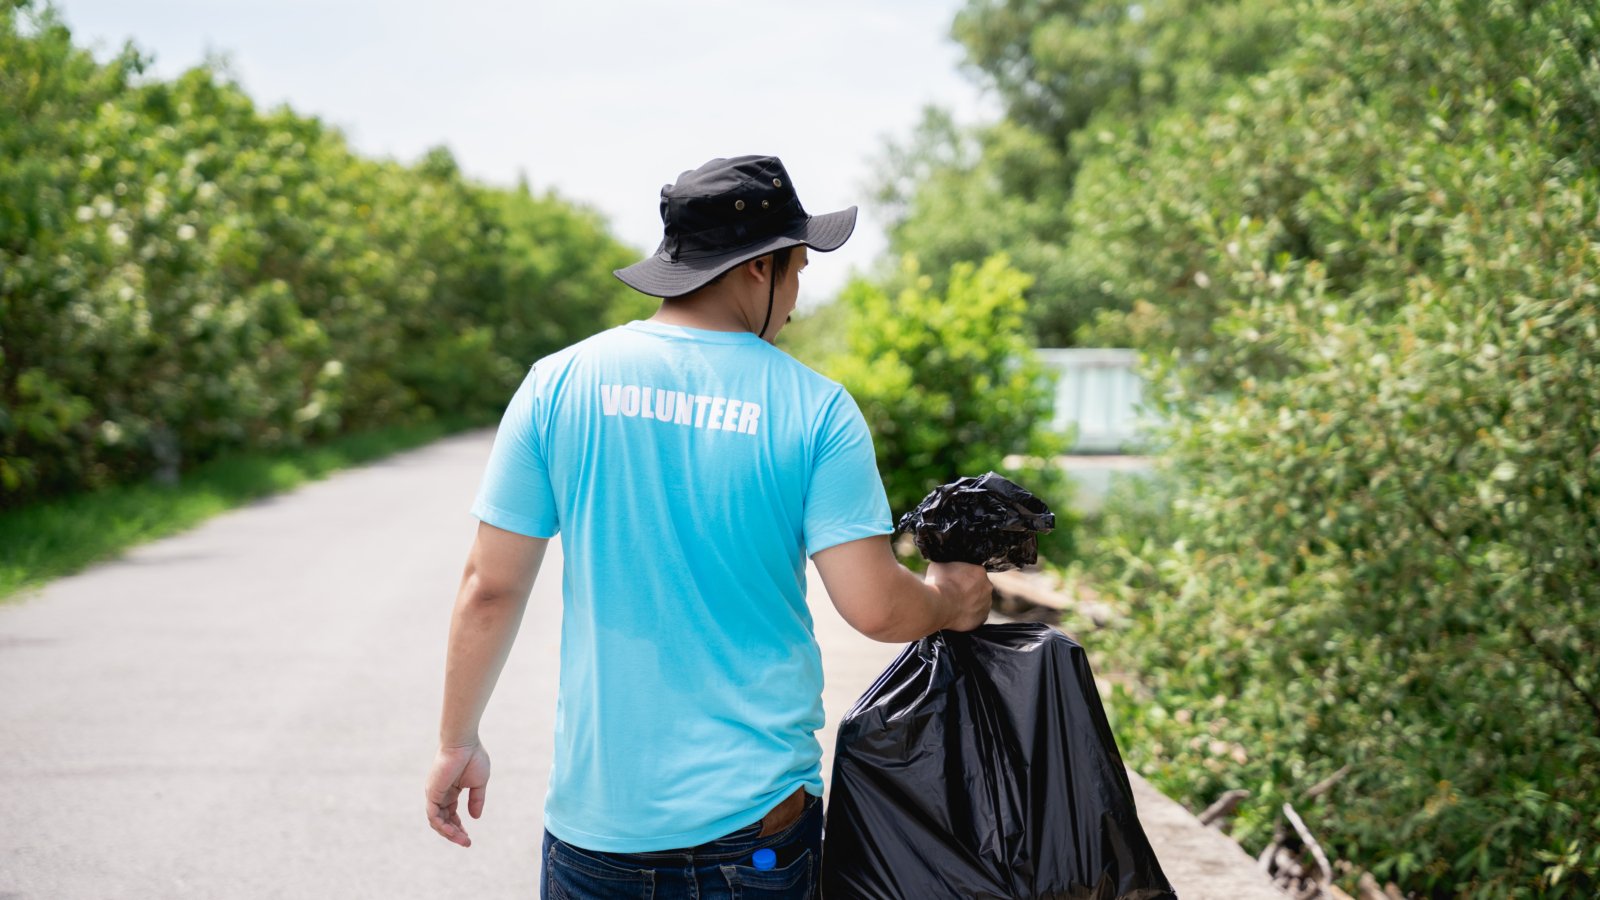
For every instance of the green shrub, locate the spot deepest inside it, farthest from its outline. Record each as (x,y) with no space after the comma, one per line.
(1369,282)
(950,387)
(1357,242)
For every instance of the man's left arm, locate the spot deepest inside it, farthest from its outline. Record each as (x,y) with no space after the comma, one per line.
(499,575)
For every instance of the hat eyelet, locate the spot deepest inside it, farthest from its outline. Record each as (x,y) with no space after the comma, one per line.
(777,182)
(765,204)
(739,205)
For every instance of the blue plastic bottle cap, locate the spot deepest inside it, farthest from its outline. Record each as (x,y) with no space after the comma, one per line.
(765,859)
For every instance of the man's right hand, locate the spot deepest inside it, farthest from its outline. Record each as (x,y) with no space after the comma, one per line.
(886,602)
(456,769)
(967,591)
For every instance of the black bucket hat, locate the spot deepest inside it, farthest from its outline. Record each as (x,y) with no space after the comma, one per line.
(724,213)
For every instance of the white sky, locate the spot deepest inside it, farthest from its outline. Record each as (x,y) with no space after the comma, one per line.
(603,101)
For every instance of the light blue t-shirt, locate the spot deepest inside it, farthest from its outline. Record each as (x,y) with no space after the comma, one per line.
(689,473)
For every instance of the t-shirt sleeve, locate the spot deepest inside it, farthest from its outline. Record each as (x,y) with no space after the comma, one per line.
(515,493)
(845,500)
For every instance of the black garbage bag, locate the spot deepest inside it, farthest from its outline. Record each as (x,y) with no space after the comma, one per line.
(981,765)
(988,521)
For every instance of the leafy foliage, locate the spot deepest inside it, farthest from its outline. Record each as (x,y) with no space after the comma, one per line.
(1367,282)
(1075,77)
(181,273)
(1357,243)
(949,385)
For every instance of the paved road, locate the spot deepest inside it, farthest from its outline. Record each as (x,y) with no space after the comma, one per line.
(247,710)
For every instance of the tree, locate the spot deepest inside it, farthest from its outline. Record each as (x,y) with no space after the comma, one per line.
(1076,77)
(181,274)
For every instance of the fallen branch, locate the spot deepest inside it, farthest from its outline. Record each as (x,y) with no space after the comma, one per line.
(1316,848)
(1223,807)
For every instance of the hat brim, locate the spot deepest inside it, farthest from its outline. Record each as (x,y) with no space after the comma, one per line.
(660,276)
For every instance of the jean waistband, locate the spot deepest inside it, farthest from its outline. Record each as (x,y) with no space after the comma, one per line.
(734,844)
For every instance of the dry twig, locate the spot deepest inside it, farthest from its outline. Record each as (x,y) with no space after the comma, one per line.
(1316,848)
(1223,807)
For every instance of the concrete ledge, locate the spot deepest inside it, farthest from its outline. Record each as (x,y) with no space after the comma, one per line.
(1202,863)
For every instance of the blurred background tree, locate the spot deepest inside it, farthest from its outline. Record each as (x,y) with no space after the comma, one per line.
(182,273)
(1074,76)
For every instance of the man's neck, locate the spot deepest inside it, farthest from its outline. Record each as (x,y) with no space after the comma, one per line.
(702,310)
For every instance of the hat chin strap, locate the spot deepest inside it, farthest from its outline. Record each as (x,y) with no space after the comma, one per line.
(772,285)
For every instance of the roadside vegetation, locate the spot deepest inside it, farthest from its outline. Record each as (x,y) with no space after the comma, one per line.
(1356,245)
(201,300)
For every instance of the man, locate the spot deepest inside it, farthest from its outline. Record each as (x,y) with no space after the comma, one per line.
(690,466)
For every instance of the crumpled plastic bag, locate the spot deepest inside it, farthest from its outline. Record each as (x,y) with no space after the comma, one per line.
(981,765)
(988,521)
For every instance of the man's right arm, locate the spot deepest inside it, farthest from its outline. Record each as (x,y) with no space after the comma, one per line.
(887,602)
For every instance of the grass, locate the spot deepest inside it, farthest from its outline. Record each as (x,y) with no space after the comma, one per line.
(58,537)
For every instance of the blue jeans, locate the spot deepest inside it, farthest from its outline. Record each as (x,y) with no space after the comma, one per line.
(717,870)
